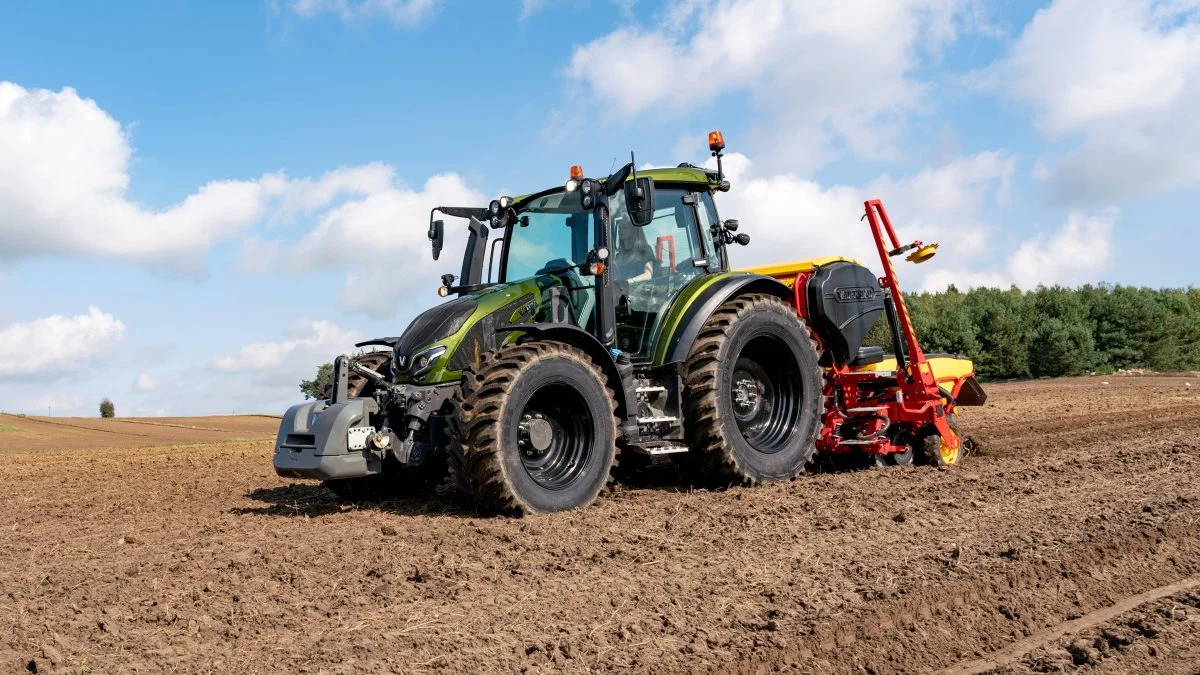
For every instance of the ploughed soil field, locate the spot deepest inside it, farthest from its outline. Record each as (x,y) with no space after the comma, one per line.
(22,433)
(1069,543)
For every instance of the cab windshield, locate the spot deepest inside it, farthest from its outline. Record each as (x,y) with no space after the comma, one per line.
(552,233)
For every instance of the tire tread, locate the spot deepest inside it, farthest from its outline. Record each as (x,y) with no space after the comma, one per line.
(476,459)
(706,434)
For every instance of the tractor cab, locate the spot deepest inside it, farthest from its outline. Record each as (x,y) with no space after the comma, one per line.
(643,265)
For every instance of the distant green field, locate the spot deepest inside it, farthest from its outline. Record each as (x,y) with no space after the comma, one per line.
(5,427)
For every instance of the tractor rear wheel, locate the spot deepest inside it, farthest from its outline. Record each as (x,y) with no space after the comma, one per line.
(396,480)
(537,429)
(752,393)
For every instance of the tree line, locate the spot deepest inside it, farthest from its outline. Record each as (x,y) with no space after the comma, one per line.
(1055,331)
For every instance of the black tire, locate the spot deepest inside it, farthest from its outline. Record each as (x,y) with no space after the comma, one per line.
(752,393)
(934,453)
(396,480)
(902,435)
(538,430)
(902,458)
(356,383)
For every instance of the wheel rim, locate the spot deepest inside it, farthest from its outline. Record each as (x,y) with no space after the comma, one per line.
(555,434)
(765,394)
(948,452)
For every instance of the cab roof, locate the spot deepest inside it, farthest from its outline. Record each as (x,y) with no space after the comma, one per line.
(684,173)
(681,174)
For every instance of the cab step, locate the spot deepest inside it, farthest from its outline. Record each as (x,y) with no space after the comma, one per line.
(655,449)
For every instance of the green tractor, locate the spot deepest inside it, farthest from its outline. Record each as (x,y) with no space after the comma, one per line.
(591,319)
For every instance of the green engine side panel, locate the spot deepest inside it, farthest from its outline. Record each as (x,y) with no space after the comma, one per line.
(512,303)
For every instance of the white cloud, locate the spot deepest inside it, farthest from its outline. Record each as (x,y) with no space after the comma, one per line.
(783,212)
(1125,76)
(306,344)
(819,73)
(382,237)
(1077,253)
(63,181)
(1072,255)
(58,345)
(788,217)
(257,254)
(64,176)
(145,382)
(402,12)
(531,7)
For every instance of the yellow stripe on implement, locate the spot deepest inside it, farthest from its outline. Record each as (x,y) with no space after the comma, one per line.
(945,368)
(787,271)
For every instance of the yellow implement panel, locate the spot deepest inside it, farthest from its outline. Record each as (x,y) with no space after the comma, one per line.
(944,367)
(786,272)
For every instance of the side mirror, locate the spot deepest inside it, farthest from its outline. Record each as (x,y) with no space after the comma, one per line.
(437,236)
(639,200)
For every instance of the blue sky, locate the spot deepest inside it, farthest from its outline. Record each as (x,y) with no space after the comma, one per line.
(200,201)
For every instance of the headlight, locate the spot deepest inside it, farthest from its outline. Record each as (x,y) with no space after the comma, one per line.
(424,360)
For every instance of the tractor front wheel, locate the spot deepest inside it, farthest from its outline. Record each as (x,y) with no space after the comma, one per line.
(537,429)
(752,392)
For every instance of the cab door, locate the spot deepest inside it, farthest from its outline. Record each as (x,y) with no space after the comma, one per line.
(651,264)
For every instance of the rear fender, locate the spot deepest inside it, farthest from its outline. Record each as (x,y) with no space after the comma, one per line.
(691,311)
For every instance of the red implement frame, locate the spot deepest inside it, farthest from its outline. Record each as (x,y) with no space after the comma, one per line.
(862,407)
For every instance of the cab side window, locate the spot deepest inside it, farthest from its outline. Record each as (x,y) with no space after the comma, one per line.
(651,264)
(707,212)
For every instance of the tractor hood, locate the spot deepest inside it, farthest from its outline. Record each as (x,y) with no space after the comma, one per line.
(448,337)
(436,323)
